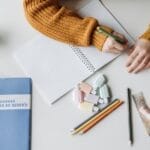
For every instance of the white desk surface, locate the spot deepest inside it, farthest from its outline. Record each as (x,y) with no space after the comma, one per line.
(50,129)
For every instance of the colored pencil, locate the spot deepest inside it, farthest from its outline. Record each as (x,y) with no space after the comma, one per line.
(116,38)
(96,116)
(93,115)
(93,123)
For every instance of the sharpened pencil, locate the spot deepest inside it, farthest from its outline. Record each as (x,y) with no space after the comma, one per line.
(94,122)
(130,116)
(94,117)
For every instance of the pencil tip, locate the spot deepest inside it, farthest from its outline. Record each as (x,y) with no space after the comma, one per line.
(130,143)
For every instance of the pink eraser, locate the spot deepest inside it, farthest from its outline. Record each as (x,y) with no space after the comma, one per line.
(91,98)
(78,96)
(85,87)
(81,96)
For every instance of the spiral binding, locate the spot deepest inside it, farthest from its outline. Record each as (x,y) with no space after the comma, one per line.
(83,58)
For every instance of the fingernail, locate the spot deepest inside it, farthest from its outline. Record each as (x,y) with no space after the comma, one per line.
(130,70)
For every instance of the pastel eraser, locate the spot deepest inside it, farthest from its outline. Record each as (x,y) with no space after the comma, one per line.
(100,81)
(95,109)
(91,98)
(81,96)
(85,87)
(101,101)
(78,96)
(104,92)
(85,106)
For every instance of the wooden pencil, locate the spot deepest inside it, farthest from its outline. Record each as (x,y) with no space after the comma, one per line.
(95,117)
(93,123)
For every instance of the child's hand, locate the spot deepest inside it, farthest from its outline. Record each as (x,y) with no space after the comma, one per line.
(139,59)
(113,46)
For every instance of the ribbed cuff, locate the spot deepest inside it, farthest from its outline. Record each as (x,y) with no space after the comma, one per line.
(98,39)
(146,35)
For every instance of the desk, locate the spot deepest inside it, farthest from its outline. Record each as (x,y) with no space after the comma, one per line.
(50,129)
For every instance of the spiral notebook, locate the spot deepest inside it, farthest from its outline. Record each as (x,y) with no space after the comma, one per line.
(56,67)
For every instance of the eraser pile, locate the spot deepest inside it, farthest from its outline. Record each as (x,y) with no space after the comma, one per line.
(91,98)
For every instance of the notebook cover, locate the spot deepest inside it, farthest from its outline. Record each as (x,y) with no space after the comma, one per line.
(15,113)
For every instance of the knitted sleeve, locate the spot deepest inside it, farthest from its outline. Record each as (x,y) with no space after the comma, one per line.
(146,34)
(62,24)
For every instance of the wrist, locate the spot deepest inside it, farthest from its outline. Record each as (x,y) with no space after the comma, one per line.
(143,43)
(146,34)
(99,39)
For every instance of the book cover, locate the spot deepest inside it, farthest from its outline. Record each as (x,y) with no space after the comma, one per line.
(15,113)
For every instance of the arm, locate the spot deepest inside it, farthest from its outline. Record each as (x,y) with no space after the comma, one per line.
(146,34)
(62,24)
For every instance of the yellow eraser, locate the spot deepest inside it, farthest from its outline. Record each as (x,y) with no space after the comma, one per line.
(85,106)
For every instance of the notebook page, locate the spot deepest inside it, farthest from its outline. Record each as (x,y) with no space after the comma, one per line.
(96,10)
(52,65)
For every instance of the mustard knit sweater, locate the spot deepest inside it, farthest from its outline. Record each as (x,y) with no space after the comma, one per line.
(62,24)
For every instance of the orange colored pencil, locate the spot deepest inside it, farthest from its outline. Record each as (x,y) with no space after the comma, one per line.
(92,124)
(95,117)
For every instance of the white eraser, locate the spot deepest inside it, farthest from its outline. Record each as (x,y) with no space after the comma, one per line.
(91,98)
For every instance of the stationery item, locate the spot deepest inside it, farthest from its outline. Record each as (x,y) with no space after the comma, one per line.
(104,93)
(103,113)
(56,67)
(143,109)
(116,38)
(85,87)
(78,95)
(91,98)
(98,83)
(95,108)
(130,116)
(86,106)
(15,113)
(101,101)
(84,93)
(93,115)
(94,122)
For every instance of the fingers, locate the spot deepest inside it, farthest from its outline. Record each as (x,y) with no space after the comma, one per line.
(111,45)
(147,66)
(139,59)
(121,36)
(131,58)
(135,63)
(118,46)
(130,50)
(144,63)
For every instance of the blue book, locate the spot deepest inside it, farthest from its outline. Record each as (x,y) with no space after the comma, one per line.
(15,113)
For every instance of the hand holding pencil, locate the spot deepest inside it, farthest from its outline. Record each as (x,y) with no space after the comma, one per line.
(115,42)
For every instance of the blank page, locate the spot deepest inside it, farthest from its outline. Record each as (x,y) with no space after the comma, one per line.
(52,65)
